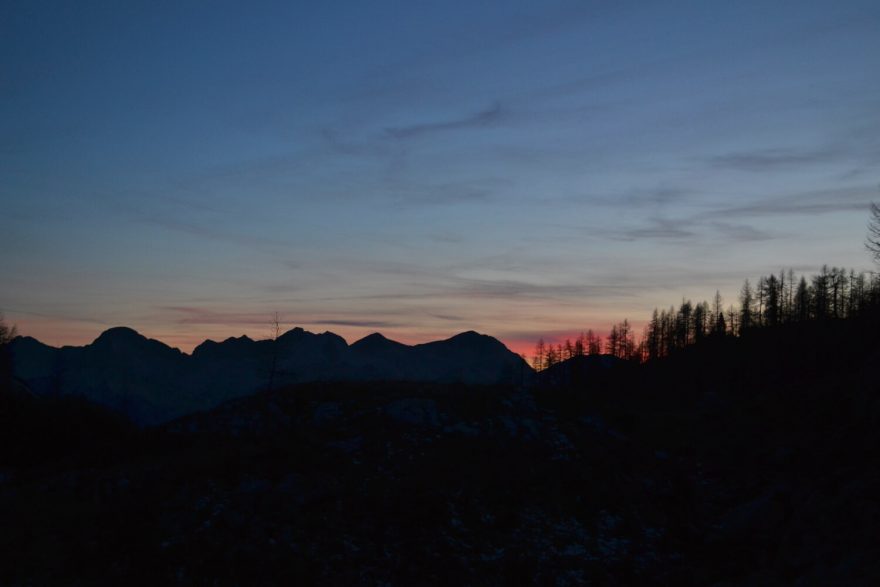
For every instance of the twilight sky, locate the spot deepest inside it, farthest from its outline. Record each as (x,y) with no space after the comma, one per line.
(423,168)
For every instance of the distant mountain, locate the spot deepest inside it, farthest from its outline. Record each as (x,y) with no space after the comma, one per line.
(152,382)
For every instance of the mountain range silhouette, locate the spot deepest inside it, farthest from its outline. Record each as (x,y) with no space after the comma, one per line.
(151,382)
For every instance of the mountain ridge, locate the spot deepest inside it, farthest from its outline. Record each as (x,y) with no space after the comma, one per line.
(152,382)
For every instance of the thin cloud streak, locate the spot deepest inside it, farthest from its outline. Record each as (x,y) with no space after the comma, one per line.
(213,234)
(660,228)
(356,323)
(742,232)
(822,201)
(65,318)
(482,119)
(195,315)
(771,160)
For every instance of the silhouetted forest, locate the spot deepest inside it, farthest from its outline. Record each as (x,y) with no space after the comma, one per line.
(774,300)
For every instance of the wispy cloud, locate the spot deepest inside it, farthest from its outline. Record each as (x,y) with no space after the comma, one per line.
(717,222)
(52,316)
(484,118)
(466,191)
(445,237)
(454,289)
(514,288)
(341,143)
(443,195)
(196,315)
(448,317)
(357,323)
(660,228)
(211,233)
(654,228)
(741,232)
(761,160)
(683,230)
(632,199)
(656,197)
(822,201)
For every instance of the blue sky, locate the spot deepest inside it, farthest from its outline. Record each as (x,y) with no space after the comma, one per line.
(422,168)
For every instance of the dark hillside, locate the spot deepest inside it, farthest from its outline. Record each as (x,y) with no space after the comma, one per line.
(750,460)
(779,433)
(350,484)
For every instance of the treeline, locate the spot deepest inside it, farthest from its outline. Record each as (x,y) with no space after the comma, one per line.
(773,300)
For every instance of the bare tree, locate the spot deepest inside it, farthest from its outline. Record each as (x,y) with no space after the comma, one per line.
(747,307)
(274,333)
(579,346)
(540,350)
(872,241)
(594,343)
(7,333)
(275,326)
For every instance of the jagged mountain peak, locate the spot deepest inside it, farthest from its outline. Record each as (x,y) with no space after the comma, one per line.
(124,341)
(209,347)
(300,338)
(294,333)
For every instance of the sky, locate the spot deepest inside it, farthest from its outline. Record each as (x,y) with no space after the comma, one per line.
(522,169)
